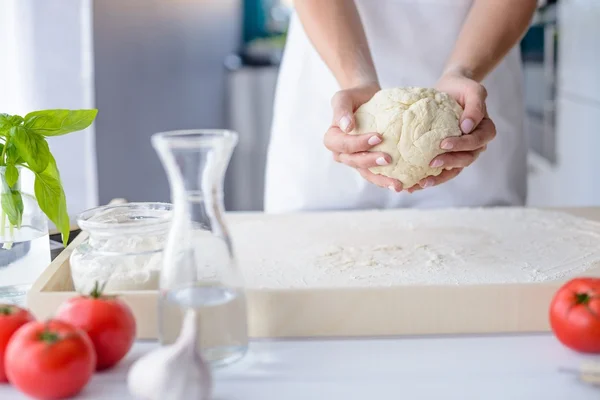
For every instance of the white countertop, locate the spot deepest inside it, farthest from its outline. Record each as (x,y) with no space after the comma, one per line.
(492,367)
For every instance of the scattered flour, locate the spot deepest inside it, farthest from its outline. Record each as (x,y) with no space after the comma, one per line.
(385,248)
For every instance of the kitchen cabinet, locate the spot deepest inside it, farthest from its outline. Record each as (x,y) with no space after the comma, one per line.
(579,54)
(250,96)
(158,65)
(572,181)
(578,143)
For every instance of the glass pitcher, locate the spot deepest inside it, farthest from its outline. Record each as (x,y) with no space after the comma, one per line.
(199,269)
(24,247)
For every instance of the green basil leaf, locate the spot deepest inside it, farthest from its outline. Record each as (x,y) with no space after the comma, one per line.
(15,120)
(4,123)
(11,161)
(32,148)
(11,174)
(59,122)
(8,121)
(12,204)
(12,155)
(52,169)
(51,198)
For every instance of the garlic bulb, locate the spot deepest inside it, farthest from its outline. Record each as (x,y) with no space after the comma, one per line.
(174,372)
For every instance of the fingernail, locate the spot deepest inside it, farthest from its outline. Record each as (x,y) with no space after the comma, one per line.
(467,125)
(447,145)
(345,123)
(437,163)
(381,161)
(373,140)
(393,188)
(427,183)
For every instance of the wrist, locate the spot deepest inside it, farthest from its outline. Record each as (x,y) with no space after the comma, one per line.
(373,85)
(458,71)
(365,77)
(364,84)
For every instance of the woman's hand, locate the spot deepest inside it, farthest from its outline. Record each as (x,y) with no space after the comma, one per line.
(478,129)
(335,29)
(352,150)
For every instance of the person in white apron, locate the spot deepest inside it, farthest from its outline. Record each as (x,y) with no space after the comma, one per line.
(450,44)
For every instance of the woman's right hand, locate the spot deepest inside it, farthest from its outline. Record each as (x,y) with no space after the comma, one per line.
(353,150)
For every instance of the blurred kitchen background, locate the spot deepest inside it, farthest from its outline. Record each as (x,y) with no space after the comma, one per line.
(153,65)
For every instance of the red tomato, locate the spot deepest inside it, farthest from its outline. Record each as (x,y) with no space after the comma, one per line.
(11,318)
(49,360)
(107,320)
(575,314)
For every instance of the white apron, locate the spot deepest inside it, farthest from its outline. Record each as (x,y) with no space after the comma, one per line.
(411,41)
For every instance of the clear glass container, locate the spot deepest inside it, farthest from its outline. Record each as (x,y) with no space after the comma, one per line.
(123,250)
(24,250)
(199,268)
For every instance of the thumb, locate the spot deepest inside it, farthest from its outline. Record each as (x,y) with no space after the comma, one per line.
(343,115)
(474,110)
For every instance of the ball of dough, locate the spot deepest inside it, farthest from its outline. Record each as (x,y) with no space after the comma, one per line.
(413,122)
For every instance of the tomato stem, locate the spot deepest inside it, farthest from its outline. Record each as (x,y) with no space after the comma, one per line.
(96,293)
(49,337)
(582,298)
(6,310)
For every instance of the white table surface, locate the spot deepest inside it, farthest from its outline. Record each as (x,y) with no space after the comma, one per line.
(491,367)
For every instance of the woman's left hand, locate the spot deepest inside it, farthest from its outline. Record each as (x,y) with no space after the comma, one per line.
(478,129)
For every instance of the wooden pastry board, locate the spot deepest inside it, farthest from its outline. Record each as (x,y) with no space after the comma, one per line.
(350,312)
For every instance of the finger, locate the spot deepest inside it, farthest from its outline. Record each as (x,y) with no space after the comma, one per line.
(414,188)
(445,176)
(381,180)
(455,159)
(365,159)
(339,142)
(485,132)
(343,115)
(475,109)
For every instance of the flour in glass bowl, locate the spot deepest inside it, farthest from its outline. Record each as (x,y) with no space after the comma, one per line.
(124,249)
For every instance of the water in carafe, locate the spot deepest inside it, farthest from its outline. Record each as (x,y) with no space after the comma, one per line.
(199,267)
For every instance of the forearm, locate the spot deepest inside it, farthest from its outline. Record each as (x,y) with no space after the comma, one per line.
(492,28)
(335,30)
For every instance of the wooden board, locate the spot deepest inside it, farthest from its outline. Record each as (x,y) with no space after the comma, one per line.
(350,312)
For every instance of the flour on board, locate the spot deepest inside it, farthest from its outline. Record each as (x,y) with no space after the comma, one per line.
(407,247)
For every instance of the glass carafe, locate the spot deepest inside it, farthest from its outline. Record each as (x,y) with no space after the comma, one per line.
(199,269)
(24,247)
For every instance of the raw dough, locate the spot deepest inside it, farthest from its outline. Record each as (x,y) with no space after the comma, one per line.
(413,122)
